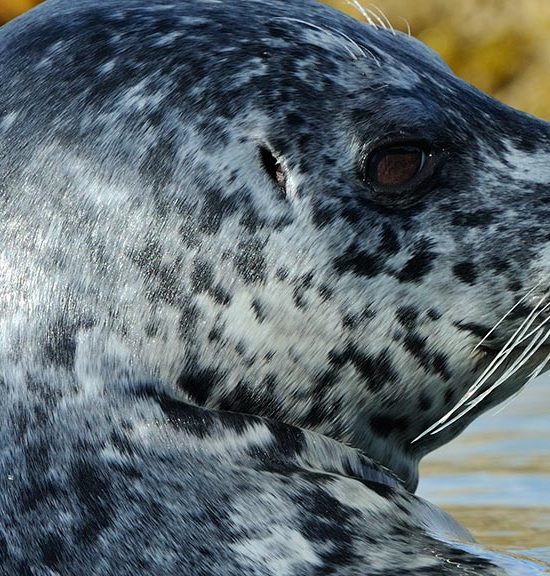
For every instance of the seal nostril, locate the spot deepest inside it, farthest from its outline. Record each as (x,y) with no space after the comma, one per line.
(274,168)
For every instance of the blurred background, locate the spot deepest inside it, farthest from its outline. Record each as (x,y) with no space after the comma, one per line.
(495,478)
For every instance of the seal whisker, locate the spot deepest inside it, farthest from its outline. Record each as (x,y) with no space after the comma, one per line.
(360,8)
(526,355)
(522,299)
(534,345)
(488,371)
(517,364)
(371,16)
(537,341)
(335,35)
(383,17)
(534,374)
(505,351)
(538,370)
(409,32)
(517,338)
(545,321)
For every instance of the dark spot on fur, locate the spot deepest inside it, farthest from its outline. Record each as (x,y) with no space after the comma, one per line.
(466,272)
(158,165)
(416,345)
(220,295)
(165,286)
(325,292)
(240,348)
(419,264)
(215,334)
(389,242)
(148,258)
(407,316)
(60,344)
(351,320)
(121,443)
(383,490)
(434,314)
(305,280)
(243,398)
(425,401)
(185,417)
(250,261)
(270,382)
(499,265)
(53,550)
(259,310)
(295,120)
(202,275)
(288,441)
(430,360)
(473,219)
(95,500)
(190,235)
(301,284)
(476,329)
(250,219)
(281,274)
(322,213)
(321,409)
(299,299)
(268,356)
(359,262)
(384,425)
(440,365)
(189,316)
(377,370)
(352,214)
(214,210)
(199,383)
(326,519)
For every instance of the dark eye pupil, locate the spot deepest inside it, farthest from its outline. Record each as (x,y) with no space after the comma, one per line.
(395,166)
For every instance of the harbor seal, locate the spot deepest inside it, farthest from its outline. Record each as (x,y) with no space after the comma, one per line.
(250,257)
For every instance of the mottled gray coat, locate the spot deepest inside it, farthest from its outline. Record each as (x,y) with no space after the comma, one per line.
(219,335)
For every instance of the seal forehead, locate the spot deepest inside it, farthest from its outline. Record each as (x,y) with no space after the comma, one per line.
(233,49)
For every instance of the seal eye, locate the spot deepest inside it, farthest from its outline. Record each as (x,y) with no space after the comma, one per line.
(397,172)
(395,165)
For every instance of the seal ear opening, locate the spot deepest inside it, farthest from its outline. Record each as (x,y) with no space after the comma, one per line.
(275,170)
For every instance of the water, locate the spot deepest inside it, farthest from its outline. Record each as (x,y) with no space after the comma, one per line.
(495,478)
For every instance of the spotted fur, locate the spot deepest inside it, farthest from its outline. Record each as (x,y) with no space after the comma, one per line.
(217,342)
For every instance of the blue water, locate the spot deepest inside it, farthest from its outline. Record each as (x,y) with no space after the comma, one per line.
(495,478)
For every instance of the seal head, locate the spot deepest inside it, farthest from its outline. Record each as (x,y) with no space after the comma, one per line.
(287,214)
(219,224)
